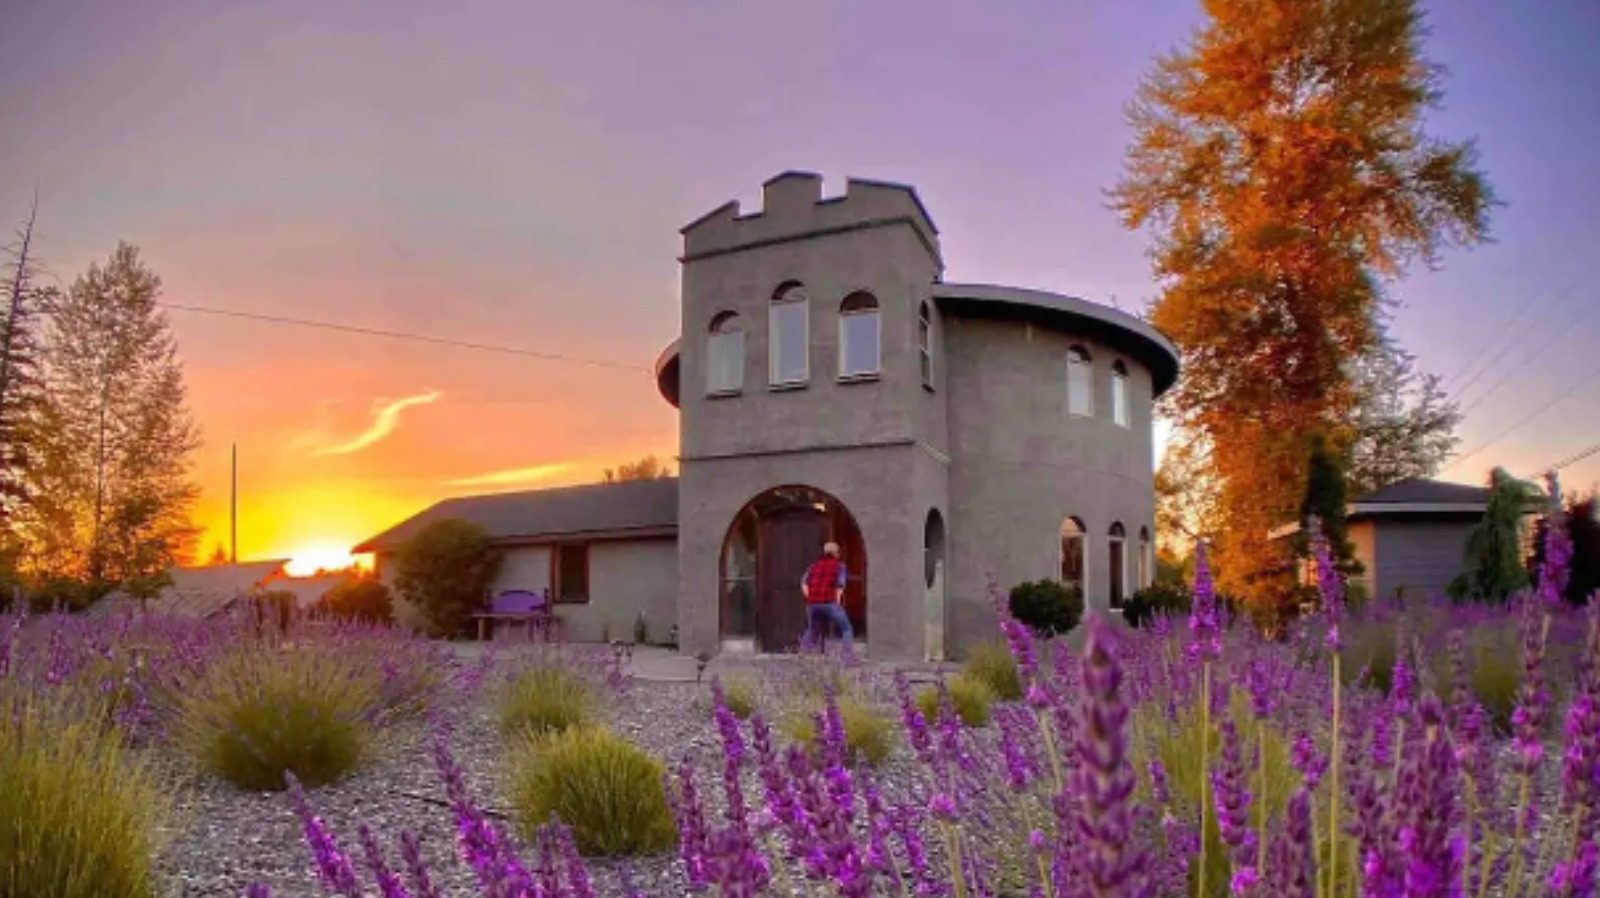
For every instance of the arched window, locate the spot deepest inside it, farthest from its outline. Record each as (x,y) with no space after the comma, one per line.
(725,355)
(925,343)
(1144,557)
(860,336)
(1119,393)
(932,545)
(1072,572)
(1118,565)
(1080,382)
(789,328)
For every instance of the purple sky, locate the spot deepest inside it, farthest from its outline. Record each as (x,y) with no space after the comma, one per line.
(516,172)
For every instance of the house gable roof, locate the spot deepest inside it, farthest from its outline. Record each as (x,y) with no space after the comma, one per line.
(1421,490)
(199,592)
(635,507)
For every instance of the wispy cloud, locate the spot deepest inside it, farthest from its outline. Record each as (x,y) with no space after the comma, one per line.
(385,418)
(512,477)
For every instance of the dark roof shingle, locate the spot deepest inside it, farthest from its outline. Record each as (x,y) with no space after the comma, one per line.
(591,508)
(1432,492)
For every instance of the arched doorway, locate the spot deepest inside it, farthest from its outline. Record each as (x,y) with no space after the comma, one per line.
(764,557)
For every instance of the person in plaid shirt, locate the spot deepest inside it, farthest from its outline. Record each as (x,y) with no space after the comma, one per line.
(823,588)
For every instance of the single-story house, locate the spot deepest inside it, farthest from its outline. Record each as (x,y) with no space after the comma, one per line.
(1410,536)
(605,553)
(831,386)
(201,592)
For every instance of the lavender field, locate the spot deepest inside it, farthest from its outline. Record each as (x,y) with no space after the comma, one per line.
(1430,750)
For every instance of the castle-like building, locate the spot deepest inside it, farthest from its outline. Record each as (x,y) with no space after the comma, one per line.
(831,386)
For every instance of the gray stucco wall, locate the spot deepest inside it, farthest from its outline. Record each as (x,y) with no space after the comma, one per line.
(1421,556)
(1020,464)
(874,483)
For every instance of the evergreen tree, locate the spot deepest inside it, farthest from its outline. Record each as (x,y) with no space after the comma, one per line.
(1325,499)
(1279,160)
(20,389)
(113,485)
(1493,569)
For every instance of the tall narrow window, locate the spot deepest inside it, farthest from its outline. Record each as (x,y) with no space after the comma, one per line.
(1144,557)
(1072,553)
(572,573)
(925,344)
(790,336)
(1118,566)
(1119,393)
(1080,382)
(725,355)
(860,336)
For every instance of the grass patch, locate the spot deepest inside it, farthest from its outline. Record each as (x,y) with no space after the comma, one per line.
(969,696)
(545,697)
(260,711)
(79,812)
(739,694)
(991,663)
(868,732)
(607,790)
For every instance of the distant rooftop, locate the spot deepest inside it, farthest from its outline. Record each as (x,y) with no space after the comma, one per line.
(1432,492)
(635,507)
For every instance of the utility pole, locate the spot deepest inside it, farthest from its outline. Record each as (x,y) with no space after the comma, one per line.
(233,512)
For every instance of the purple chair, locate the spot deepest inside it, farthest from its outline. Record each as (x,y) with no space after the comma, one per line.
(532,607)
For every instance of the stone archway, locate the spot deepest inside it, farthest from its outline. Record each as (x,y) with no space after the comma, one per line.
(764,555)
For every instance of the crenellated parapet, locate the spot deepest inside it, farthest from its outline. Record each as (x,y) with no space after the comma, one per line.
(792,206)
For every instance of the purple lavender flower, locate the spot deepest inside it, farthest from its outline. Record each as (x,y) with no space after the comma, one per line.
(389,885)
(333,867)
(1554,566)
(1259,683)
(257,890)
(1431,856)
(693,837)
(411,853)
(1305,759)
(915,725)
(1203,625)
(727,723)
(1232,804)
(1329,584)
(1111,863)
(1291,871)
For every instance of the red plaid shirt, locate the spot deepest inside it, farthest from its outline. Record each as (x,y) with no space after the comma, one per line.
(824,579)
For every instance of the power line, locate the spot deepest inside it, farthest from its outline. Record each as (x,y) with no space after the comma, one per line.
(1528,302)
(1508,345)
(1575,387)
(1572,459)
(1560,331)
(402,335)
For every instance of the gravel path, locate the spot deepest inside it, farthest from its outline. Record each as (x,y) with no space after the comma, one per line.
(221,839)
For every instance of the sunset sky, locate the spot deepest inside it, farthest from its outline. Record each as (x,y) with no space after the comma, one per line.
(516,172)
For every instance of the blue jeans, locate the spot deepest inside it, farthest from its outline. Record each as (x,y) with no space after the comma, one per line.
(817,619)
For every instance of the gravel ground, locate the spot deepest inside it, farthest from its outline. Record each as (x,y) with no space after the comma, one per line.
(221,839)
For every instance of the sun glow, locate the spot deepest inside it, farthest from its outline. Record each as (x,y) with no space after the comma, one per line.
(307,560)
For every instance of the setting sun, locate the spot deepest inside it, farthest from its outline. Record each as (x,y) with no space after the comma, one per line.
(307,560)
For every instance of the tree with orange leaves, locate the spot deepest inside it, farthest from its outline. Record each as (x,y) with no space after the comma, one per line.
(1280,162)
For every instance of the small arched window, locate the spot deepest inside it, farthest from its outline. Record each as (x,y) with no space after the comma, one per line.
(1118,563)
(925,343)
(860,336)
(1080,382)
(1144,558)
(1072,533)
(789,326)
(725,354)
(932,546)
(1119,393)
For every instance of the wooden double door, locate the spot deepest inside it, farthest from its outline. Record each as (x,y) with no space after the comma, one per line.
(789,540)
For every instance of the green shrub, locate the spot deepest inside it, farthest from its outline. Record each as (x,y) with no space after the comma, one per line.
(969,696)
(544,697)
(260,711)
(364,598)
(1159,598)
(1047,607)
(739,694)
(444,572)
(79,813)
(609,792)
(991,664)
(868,733)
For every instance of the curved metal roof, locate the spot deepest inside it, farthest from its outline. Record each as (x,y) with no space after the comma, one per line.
(1103,324)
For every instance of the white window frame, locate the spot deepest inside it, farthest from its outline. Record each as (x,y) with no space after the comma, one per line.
(1077,370)
(876,312)
(731,341)
(775,343)
(1119,394)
